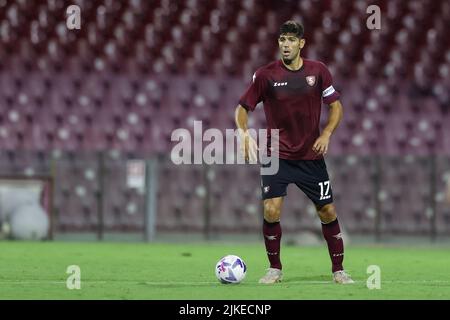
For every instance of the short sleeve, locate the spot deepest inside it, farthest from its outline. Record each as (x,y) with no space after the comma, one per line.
(255,92)
(329,94)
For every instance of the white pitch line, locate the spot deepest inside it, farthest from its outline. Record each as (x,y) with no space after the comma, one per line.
(156,283)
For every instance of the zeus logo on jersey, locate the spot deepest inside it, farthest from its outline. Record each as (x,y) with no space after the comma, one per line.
(280,84)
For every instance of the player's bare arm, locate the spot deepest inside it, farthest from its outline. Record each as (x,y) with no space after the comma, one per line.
(249,147)
(321,144)
(448,190)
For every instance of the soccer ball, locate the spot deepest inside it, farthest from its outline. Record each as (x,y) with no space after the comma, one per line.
(230,269)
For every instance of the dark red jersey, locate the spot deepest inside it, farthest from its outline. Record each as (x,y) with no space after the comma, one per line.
(292,103)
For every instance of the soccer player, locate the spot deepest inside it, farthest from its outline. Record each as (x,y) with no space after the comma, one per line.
(292,90)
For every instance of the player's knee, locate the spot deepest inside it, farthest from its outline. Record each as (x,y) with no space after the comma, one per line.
(327,213)
(271,213)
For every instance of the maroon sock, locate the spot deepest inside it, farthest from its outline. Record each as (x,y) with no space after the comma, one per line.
(333,236)
(272,240)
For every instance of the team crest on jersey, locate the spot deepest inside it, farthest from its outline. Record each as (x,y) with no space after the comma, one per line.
(311,80)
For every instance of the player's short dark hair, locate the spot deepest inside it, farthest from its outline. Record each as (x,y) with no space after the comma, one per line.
(292,27)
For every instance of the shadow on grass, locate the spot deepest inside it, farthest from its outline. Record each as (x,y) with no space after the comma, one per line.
(318,278)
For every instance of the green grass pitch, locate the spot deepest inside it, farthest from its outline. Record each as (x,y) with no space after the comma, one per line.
(186,271)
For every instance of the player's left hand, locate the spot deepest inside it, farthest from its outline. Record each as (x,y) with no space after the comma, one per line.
(448,191)
(321,144)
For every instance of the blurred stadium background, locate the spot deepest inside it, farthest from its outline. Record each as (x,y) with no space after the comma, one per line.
(78,106)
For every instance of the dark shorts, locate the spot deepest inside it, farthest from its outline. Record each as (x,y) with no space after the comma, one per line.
(310,176)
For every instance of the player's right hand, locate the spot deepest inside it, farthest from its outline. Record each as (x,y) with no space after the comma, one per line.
(249,148)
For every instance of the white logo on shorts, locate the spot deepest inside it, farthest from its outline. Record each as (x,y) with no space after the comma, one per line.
(266,189)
